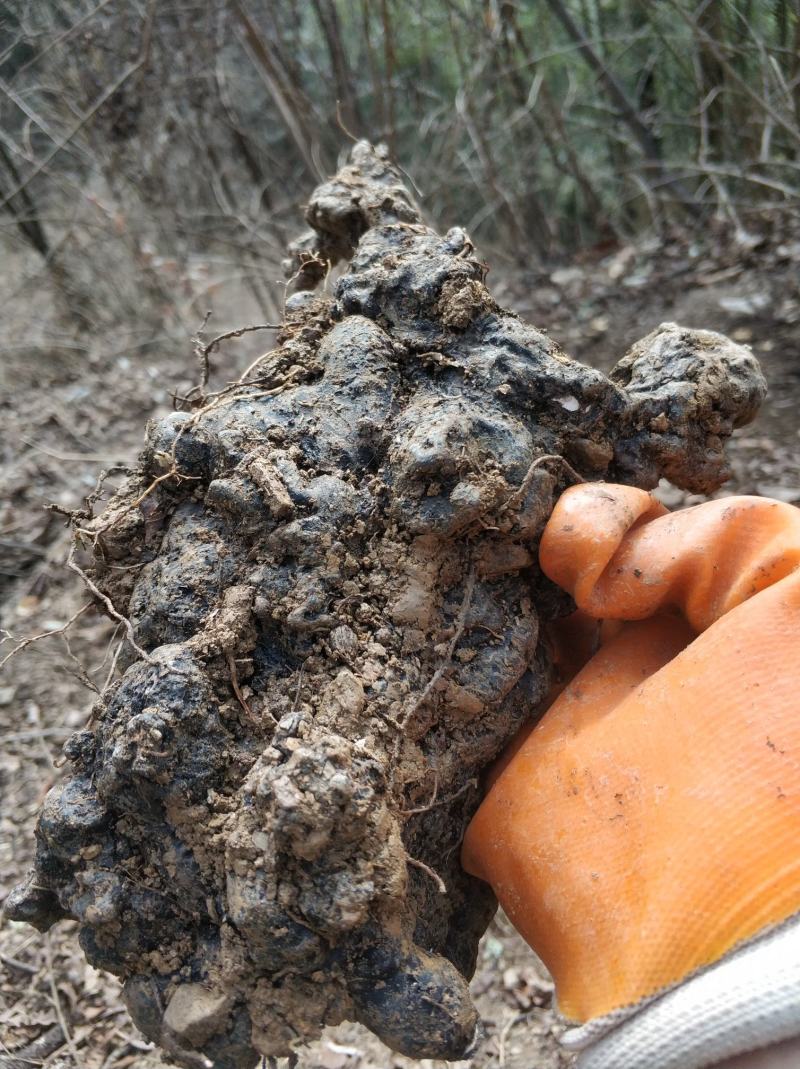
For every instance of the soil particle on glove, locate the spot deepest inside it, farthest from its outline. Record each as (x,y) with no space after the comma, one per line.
(330,569)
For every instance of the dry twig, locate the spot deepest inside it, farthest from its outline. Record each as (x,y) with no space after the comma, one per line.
(62,1020)
(25,642)
(70,562)
(441,886)
(236,688)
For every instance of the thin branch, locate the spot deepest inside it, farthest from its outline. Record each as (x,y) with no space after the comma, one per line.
(790,128)
(204,351)
(441,886)
(62,1020)
(448,657)
(258,50)
(91,458)
(642,133)
(87,116)
(25,642)
(434,804)
(461,620)
(62,37)
(236,688)
(201,351)
(42,733)
(70,562)
(113,667)
(518,495)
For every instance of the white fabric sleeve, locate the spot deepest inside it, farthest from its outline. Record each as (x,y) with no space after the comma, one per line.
(748,1000)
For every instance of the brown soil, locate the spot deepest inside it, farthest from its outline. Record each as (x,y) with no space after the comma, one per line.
(426,564)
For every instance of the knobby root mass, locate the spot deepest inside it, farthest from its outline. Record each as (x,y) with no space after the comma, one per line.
(330,572)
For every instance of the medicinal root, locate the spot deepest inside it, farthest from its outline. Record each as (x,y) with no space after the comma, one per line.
(331,567)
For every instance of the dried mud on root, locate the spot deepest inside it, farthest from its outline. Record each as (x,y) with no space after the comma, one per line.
(329,570)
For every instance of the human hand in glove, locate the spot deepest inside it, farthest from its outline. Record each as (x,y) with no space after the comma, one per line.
(644,836)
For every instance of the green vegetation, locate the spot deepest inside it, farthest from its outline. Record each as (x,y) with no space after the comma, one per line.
(543,126)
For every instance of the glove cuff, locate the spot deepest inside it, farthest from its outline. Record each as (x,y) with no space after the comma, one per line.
(748,1000)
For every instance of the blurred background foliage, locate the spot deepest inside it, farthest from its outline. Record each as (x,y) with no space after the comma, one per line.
(137,135)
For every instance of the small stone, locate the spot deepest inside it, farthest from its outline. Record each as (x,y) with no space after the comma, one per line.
(460,700)
(195,1014)
(343,641)
(566,276)
(343,698)
(267,479)
(261,840)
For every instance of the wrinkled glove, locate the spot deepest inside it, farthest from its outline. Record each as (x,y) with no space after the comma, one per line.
(644,836)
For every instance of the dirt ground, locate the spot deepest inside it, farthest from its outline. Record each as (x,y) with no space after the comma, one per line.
(72,408)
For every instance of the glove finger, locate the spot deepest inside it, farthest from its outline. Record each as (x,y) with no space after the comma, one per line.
(619,555)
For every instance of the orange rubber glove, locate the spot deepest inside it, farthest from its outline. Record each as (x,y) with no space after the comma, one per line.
(649,825)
